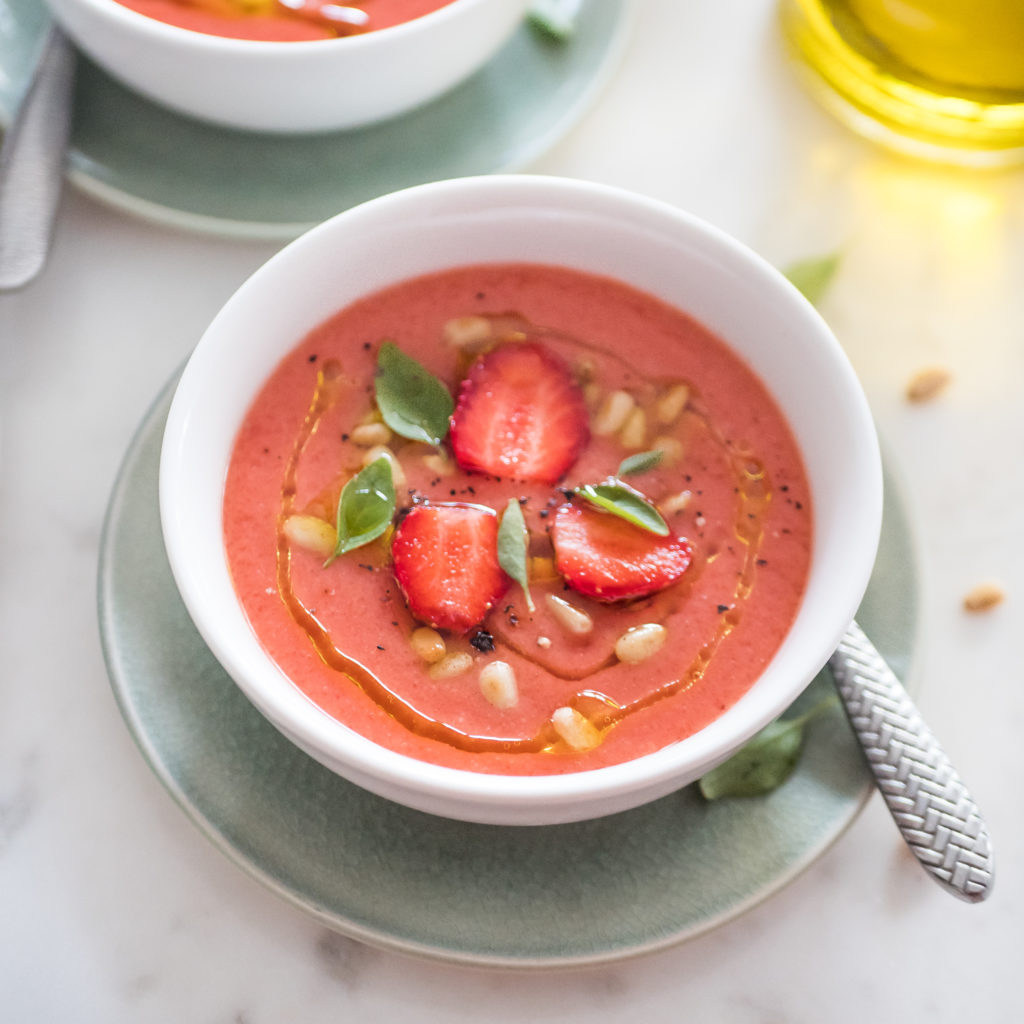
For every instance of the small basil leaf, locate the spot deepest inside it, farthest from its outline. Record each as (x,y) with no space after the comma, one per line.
(760,766)
(813,276)
(621,500)
(412,401)
(555,18)
(365,508)
(640,463)
(512,542)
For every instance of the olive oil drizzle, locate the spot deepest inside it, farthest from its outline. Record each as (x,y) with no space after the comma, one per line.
(754,494)
(325,394)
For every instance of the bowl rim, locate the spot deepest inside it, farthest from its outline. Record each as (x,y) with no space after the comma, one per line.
(354,755)
(164,33)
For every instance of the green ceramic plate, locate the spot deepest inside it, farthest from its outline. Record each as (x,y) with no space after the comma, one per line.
(143,158)
(524,897)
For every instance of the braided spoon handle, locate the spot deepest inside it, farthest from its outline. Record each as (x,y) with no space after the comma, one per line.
(930,804)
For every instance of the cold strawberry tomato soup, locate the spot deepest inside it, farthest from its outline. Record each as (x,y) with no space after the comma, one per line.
(284,20)
(517,519)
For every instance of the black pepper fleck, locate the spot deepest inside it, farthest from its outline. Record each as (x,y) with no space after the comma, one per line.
(482,641)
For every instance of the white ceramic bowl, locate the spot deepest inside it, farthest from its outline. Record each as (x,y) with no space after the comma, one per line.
(295,86)
(645,243)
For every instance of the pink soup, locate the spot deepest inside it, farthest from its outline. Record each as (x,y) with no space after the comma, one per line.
(730,480)
(277,21)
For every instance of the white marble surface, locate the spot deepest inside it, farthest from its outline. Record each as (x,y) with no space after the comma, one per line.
(113,906)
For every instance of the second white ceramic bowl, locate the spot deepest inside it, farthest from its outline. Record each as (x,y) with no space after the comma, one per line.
(295,86)
(647,244)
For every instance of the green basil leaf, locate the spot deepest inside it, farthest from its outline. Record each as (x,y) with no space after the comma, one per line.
(513,539)
(365,508)
(555,19)
(640,463)
(760,766)
(412,401)
(621,500)
(813,276)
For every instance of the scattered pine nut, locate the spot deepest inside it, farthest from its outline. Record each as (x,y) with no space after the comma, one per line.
(672,403)
(382,450)
(367,435)
(498,684)
(575,729)
(439,464)
(452,664)
(572,619)
(639,643)
(544,642)
(428,644)
(676,502)
(983,597)
(927,384)
(634,431)
(670,447)
(612,413)
(311,534)
(466,330)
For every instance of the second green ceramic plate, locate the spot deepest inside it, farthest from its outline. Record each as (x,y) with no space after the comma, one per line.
(150,161)
(521,897)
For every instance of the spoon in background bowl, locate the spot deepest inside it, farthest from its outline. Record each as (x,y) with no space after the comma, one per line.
(32,162)
(931,806)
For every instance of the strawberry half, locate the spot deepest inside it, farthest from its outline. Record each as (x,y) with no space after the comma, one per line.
(520,414)
(446,562)
(610,559)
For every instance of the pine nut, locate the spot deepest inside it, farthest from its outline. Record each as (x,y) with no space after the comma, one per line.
(575,729)
(639,643)
(572,619)
(367,435)
(439,464)
(983,597)
(453,664)
(634,431)
(676,503)
(672,403)
(311,534)
(670,447)
(498,684)
(613,412)
(544,642)
(428,644)
(383,451)
(928,383)
(466,330)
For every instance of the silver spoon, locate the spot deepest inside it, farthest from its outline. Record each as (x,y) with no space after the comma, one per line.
(931,806)
(32,164)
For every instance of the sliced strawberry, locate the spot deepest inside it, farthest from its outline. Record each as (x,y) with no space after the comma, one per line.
(446,562)
(520,414)
(610,559)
